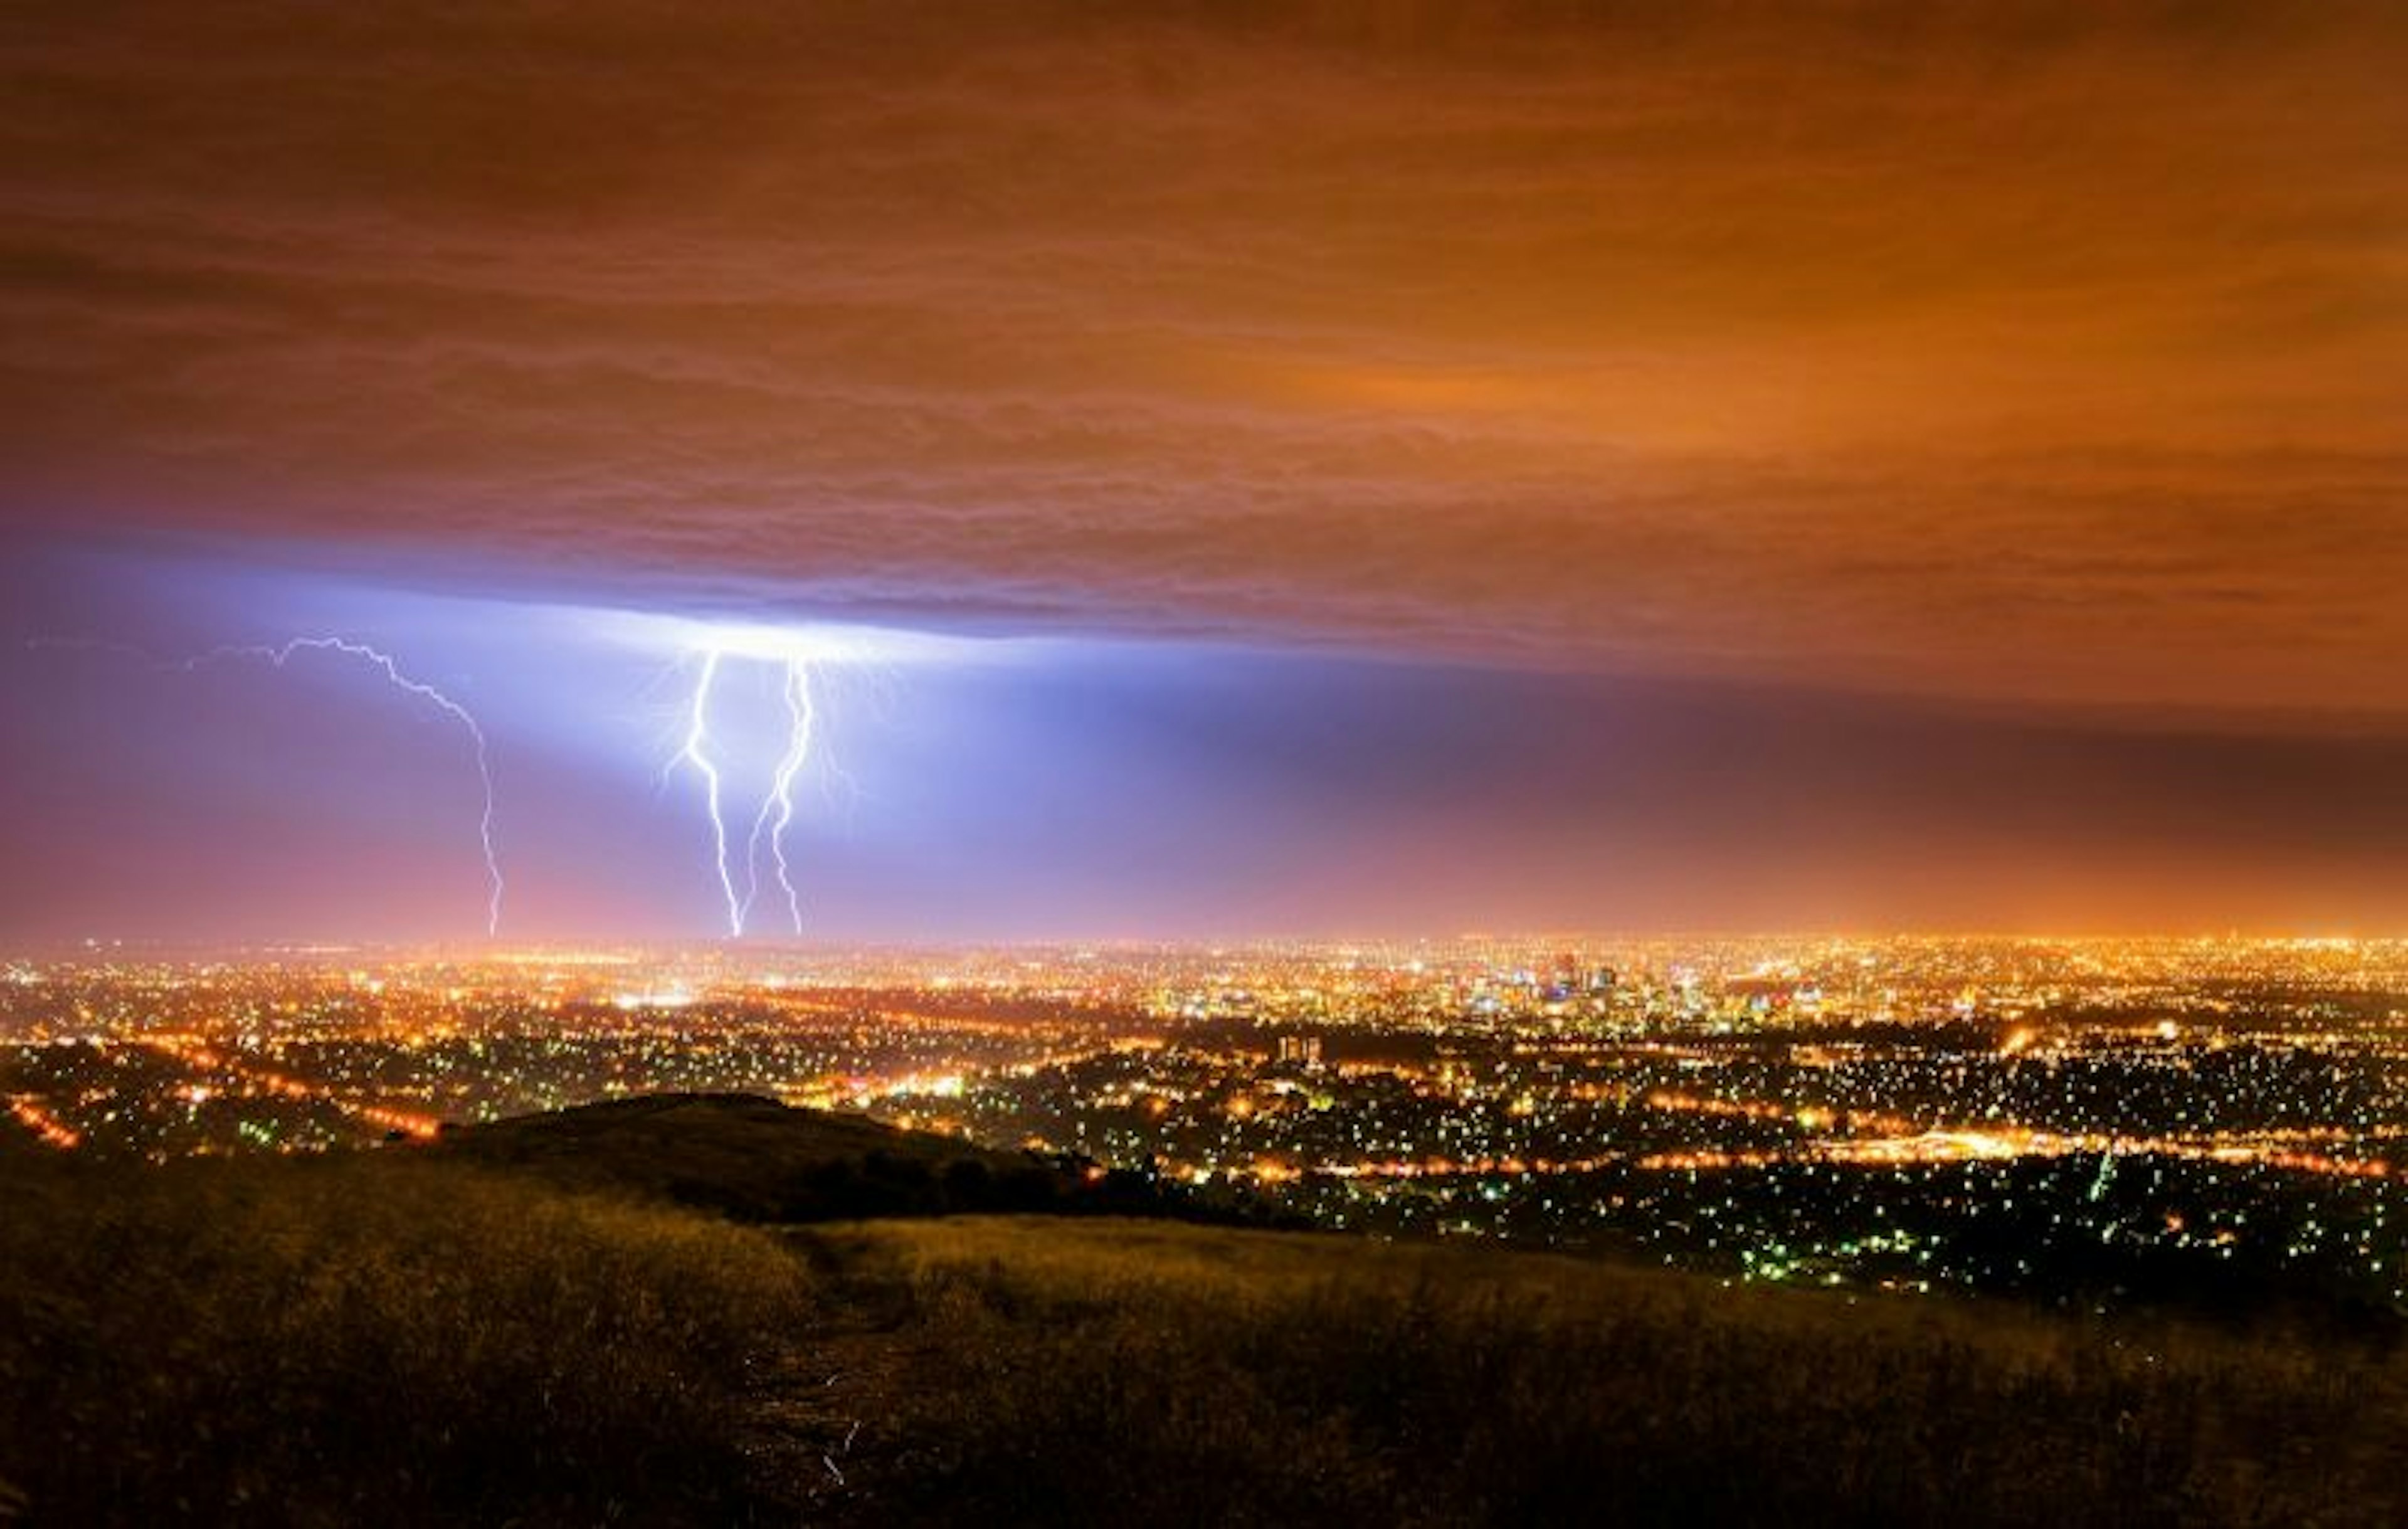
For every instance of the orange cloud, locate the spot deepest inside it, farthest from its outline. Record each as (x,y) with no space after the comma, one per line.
(2042,352)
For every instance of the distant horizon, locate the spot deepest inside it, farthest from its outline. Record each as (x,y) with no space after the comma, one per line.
(539,949)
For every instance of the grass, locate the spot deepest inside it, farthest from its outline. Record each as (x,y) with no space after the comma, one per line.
(364,1341)
(425,1337)
(755,1159)
(1116,1373)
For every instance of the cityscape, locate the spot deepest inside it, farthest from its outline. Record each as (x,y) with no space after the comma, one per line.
(1202,765)
(2110,1121)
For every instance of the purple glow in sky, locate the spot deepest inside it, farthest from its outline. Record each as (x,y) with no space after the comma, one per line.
(1233,471)
(974,786)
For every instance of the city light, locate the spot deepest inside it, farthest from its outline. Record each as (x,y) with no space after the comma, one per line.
(1891,1113)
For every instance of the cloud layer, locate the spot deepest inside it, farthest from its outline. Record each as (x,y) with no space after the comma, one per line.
(2047,354)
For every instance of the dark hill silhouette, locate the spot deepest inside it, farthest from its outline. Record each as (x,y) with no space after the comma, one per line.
(755,1159)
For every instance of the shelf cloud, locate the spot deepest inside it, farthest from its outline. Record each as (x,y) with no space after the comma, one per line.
(2043,354)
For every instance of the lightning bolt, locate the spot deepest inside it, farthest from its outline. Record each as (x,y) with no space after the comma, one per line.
(776,810)
(278,655)
(697,734)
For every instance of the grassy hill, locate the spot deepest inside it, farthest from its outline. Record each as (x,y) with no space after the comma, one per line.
(755,1159)
(1113,1373)
(541,1322)
(751,1158)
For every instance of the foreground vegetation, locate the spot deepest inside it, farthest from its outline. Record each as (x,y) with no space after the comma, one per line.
(1168,1375)
(417,1336)
(365,1341)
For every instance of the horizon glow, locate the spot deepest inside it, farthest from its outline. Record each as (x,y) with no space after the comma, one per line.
(1015,787)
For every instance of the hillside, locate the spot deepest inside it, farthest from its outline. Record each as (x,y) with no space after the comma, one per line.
(1122,1373)
(515,1324)
(752,1158)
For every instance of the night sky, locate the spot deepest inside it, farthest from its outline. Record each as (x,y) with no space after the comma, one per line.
(1234,470)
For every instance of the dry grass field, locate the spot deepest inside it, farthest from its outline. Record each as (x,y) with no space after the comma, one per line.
(418,1337)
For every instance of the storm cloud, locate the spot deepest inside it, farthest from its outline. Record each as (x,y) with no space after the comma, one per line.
(2038,353)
